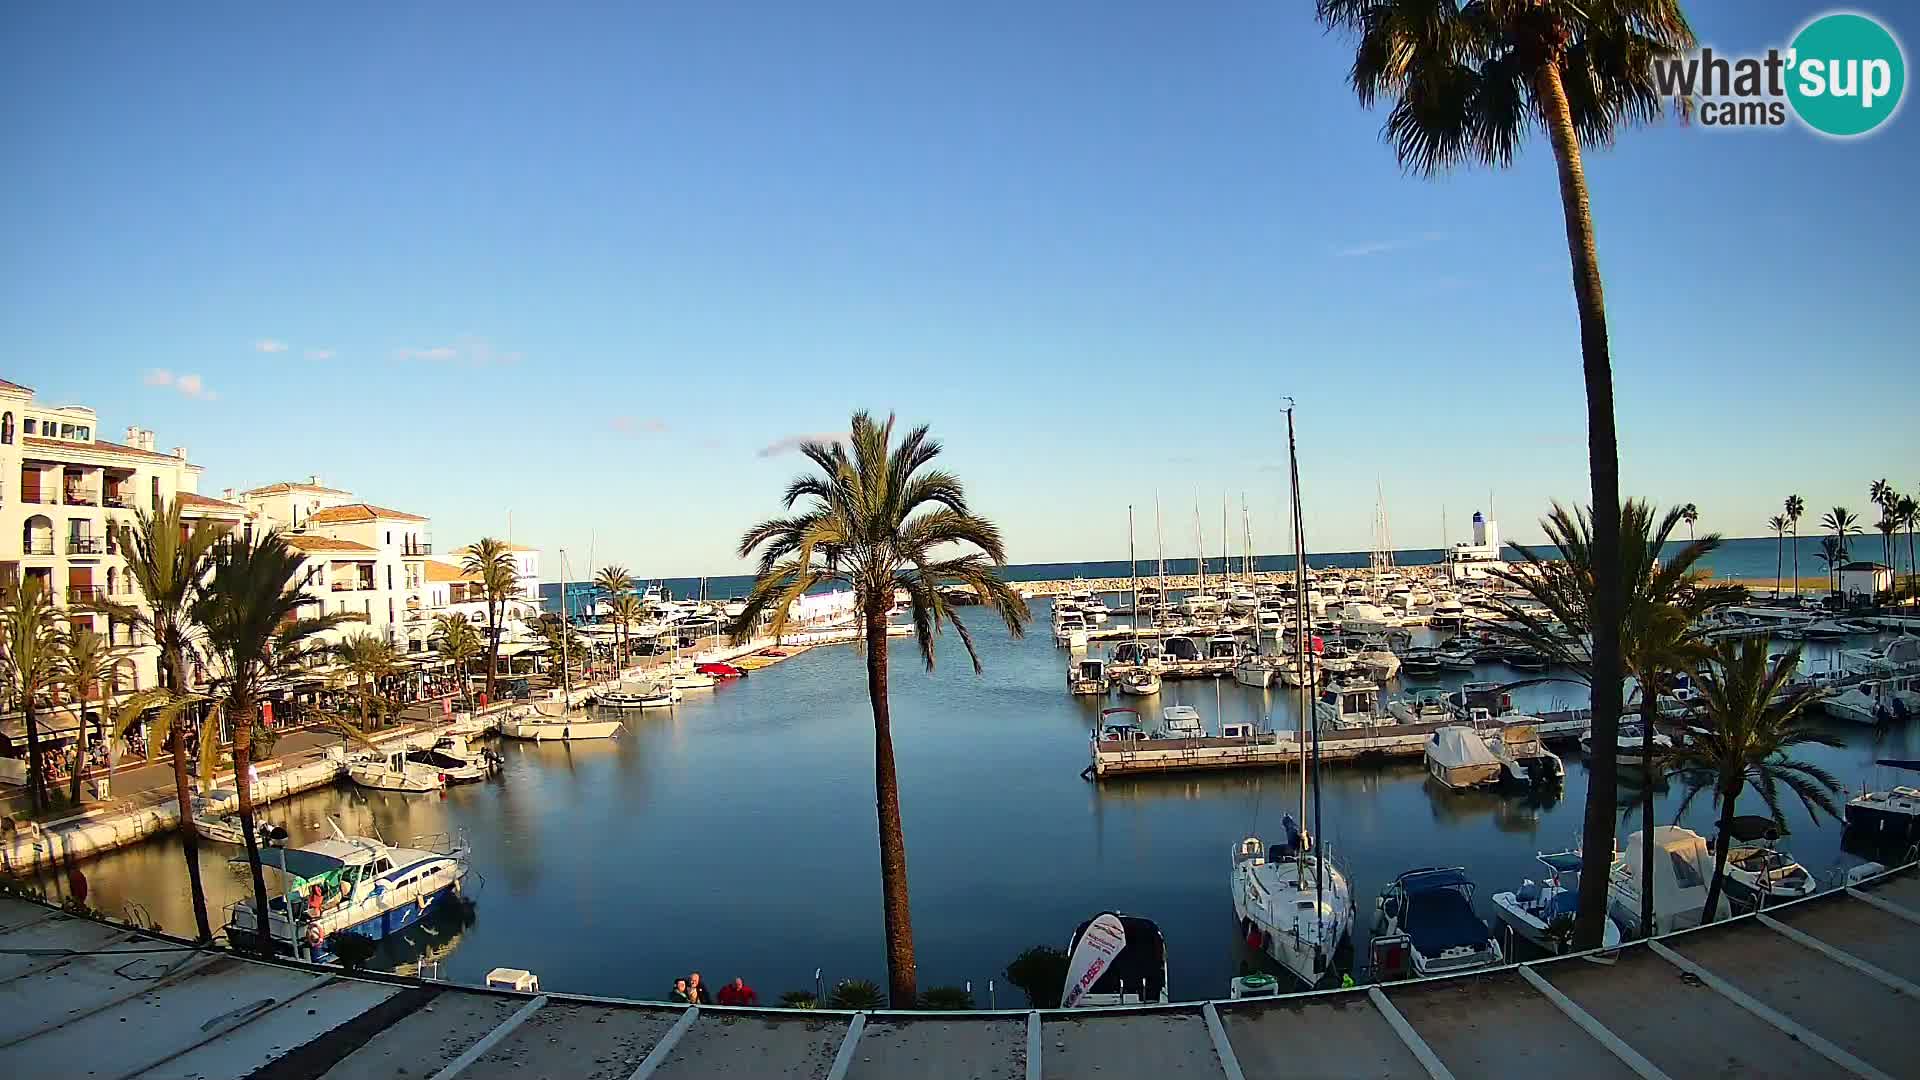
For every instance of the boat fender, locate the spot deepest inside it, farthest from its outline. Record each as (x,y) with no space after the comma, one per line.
(313,938)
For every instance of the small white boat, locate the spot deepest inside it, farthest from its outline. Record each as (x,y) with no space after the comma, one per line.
(1458,757)
(456,760)
(1182,722)
(1876,701)
(1427,706)
(1627,748)
(1682,869)
(392,771)
(631,695)
(1543,912)
(1087,675)
(692,680)
(551,722)
(1140,682)
(1291,906)
(223,826)
(1424,924)
(1525,761)
(1255,671)
(472,726)
(1351,704)
(1759,874)
(1115,959)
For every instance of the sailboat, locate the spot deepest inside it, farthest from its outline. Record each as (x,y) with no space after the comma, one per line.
(1293,903)
(556,720)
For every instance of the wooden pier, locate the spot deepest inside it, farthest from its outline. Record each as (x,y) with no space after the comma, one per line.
(1283,748)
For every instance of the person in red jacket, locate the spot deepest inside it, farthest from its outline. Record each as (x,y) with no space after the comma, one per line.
(738,992)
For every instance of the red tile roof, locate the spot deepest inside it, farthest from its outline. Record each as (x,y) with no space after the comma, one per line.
(359,512)
(101,446)
(5,385)
(306,542)
(194,499)
(281,489)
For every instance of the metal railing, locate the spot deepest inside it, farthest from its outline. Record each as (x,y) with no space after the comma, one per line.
(118,502)
(85,594)
(420,548)
(86,545)
(352,586)
(81,498)
(38,547)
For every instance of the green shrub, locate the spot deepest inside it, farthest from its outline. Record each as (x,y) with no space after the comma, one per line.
(1040,973)
(798,999)
(856,994)
(947,998)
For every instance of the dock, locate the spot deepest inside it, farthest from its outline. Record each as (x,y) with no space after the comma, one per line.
(1281,748)
(1823,986)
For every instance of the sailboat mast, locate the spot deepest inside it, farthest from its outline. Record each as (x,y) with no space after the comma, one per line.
(1307,679)
(1160,541)
(1133,576)
(566,684)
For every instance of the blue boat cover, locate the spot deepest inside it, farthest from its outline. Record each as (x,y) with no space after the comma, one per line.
(1439,915)
(1562,862)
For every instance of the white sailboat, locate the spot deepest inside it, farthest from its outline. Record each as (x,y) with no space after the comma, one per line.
(1293,903)
(556,720)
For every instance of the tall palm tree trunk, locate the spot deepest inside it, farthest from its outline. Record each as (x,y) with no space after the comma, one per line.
(1603,454)
(36,765)
(242,716)
(79,744)
(1796,560)
(1729,794)
(1779,556)
(493,650)
(189,836)
(1649,709)
(902,978)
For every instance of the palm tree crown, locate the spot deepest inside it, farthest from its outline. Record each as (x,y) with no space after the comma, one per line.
(491,560)
(30,661)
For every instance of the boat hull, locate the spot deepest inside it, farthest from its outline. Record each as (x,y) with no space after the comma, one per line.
(1259,677)
(554,731)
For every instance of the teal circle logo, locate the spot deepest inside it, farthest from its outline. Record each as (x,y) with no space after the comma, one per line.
(1847,74)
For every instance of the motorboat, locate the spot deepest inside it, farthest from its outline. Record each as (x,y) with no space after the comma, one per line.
(1427,706)
(1901,656)
(1358,618)
(473,726)
(691,680)
(1115,959)
(1475,701)
(347,883)
(1095,611)
(223,826)
(1453,658)
(1447,615)
(1627,746)
(1269,621)
(1137,653)
(1379,662)
(1759,874)
(631,695)
(551,722)
(1420,664)
(1525,761)
(720,670)
(1458,757)
(1182,722)
(1347,705)
(1255,671)
(1525,660)
(1140,682)
(1294,674)
(1543,912)
(1223,647)
(1182,648)
(1682,868)
(391,770)
(459,762)
(1424,924)
(1069,627)
(1891,700)
(1120,726)
(1335,660)
(1087,675)
(1890,817)
(1293,906)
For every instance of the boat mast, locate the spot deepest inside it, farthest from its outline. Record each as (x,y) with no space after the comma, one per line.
(1300,644)
(1160,541)
(1133,576)
(1226,565)
(566,684)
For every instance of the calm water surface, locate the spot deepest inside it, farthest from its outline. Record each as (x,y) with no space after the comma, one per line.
(736,834)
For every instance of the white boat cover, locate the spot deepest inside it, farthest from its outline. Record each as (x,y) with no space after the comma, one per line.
(1459,748)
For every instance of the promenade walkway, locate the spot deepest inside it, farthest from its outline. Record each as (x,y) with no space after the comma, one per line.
(1821,987)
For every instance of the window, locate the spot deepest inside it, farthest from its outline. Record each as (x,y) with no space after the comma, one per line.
(6,428)
(31,424)
(389,537)
(84,434)
(382,865)
(1685,873)
(389,577)
(156,494)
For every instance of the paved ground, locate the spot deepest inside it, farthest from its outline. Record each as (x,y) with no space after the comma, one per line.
(1824,987)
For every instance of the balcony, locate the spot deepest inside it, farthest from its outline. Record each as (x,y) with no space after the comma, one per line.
(416,547)
(118,500)
(85,594)
(86,545)
(76,497)
(37,547)
(352,586)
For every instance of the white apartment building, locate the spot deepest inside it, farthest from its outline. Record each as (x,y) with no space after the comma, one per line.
(450,590)
(61,485)
(362,559)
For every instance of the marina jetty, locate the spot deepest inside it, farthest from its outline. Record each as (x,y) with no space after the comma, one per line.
(1817,987)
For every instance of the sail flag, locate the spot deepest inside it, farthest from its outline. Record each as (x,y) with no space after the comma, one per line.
(1099,944)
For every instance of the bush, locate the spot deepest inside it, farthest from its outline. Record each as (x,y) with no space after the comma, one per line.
(857,994)
(1040,973)
(798,999)
(947,998)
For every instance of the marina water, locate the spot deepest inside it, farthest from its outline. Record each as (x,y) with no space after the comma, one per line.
(735,834)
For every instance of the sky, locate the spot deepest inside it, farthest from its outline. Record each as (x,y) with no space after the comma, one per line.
(587,273)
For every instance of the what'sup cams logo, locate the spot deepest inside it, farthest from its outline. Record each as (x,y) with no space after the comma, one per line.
(1842,76)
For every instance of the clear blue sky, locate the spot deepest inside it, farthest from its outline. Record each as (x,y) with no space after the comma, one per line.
(587,264)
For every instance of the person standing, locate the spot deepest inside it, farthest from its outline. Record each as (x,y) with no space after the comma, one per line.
(738,992)
(697,991)
(679,995)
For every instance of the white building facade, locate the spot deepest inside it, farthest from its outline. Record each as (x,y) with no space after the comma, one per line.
(362,559)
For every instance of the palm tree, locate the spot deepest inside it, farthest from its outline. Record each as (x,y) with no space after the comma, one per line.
(30,660)
(878,519)
(365,659)
(1889,527)
(87,663)
(1468,82)
(167,562)
(1795,507)
(1908,511)
(614,582)
(1747,718)
(1831,555)
(459,644)
(1882,494)
(1778,523)
(626,610)
(1690,514)
(491,561)
(1664,598)
(1842,523)
(250,614)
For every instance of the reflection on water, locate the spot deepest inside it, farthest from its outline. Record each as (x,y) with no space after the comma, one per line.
(735,834)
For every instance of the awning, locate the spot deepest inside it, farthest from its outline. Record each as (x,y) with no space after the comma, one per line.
(520,648)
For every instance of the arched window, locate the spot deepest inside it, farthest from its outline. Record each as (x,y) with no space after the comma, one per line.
(113,581)
(6,428)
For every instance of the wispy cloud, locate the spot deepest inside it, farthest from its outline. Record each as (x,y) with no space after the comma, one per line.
(269,345)
(319,354)
(467,351)
(1383,247)
(787,444)
(639,425)
(188,385)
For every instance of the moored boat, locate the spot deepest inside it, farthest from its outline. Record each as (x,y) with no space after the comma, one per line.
(1087,675)
(1115,959)
(1458,757)
(1424,924)
(391,770)
(457,761)
(1543,912)
(1292,906)
(549,722)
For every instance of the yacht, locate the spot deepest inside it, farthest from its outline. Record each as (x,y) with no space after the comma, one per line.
(391,770)
(1427,706)
(348,883)
(1453,658)
(459,762)
(1182,722)
(1424,924)
(1627,748)
(1447,615)
(1525,761)
(1140,682)
(1269,621)
(1679,881)
(1420,664)
(1876,701)
(551,721)
(1095,611)
(1334,659)
(1358,618)
(1892,815)
(1181,649)
(1137,653)
(1223,647)
(1347,705)
(1255,671)
(1458,757)
(223,826)
(1292,906)
(1069,628)
(1759,874)
(1087,675)
(1543,912)
(1901,656)
(1115,959)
